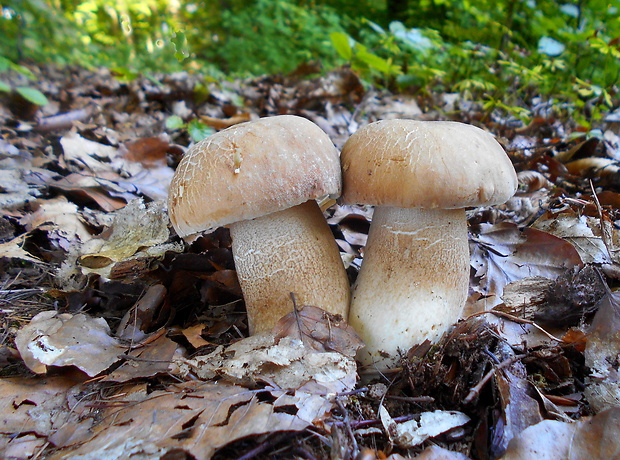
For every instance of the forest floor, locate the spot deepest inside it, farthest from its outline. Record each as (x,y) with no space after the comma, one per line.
(120,340)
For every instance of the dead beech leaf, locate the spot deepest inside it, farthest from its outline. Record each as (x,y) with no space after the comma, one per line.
(413,432)
(149,151)
(519,409)
(320,330)
(602,350)
(590,438)
(152,359)
(85,152)
(138,231)
(582,232)
(40,406)
(192,417)
(502,253)
(287,364)
(13,250)
(193,335)
(62,339)
(60,218)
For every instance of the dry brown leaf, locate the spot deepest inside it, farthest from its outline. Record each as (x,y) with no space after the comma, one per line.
(13,250)
(87,186)
(152,359)
(193,335)
(223,123)
(582,232)
(142,317)
(415,432)
(60,218)
(594,438)
(319,330)
(519,409)
(502,253)
(62,339)
(84,152)
(194,417)
(286,364)
(40,406)
(149,151)
(601,354)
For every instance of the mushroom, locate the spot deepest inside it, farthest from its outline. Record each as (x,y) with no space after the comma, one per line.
(261,178)
(420,175)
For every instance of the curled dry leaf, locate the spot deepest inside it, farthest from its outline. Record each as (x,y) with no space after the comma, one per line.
(413,432)
(319,330)
(13,250)
(286,364)
(138,231)
(62,339)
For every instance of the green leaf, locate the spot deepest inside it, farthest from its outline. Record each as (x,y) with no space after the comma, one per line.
(179,40)
(5,87)
(5,64)
(377,63)
(174,122)
(342,45)
(198,130)
(124,74)
(33,95)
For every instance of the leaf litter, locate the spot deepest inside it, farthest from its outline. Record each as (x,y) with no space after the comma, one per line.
(122,341)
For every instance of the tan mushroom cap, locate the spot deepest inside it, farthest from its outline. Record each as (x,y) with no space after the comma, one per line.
(251,170)
(425,164)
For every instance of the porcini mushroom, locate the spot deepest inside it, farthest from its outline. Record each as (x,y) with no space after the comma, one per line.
(420,175)
(261,178)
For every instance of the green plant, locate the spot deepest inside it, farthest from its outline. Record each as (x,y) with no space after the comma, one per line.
(32,95)
(271,36)
(195,128)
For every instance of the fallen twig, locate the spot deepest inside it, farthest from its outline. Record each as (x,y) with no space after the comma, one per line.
(475,391)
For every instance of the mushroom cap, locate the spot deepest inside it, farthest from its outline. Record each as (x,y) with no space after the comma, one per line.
(425,164)
(250,170)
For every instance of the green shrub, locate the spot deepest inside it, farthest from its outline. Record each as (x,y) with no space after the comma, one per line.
(271,36)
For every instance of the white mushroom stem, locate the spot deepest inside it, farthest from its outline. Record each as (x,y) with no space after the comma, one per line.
(288,251)
(413,281)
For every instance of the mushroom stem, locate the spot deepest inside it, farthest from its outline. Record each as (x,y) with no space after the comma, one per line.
(413,281)
(288,251)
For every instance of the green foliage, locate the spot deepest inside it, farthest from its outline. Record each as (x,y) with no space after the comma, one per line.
(30,94)
(500,53)
(196,129)
(271,36)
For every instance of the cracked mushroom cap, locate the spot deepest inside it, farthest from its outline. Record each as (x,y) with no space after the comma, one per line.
(425,164)
(250,170)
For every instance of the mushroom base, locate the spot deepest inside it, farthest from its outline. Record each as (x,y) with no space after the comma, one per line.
(290,251)
(413,282)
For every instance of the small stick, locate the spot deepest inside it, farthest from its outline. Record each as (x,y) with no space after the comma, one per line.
(475,391)
(64,120)
(518,320)
(347,424)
